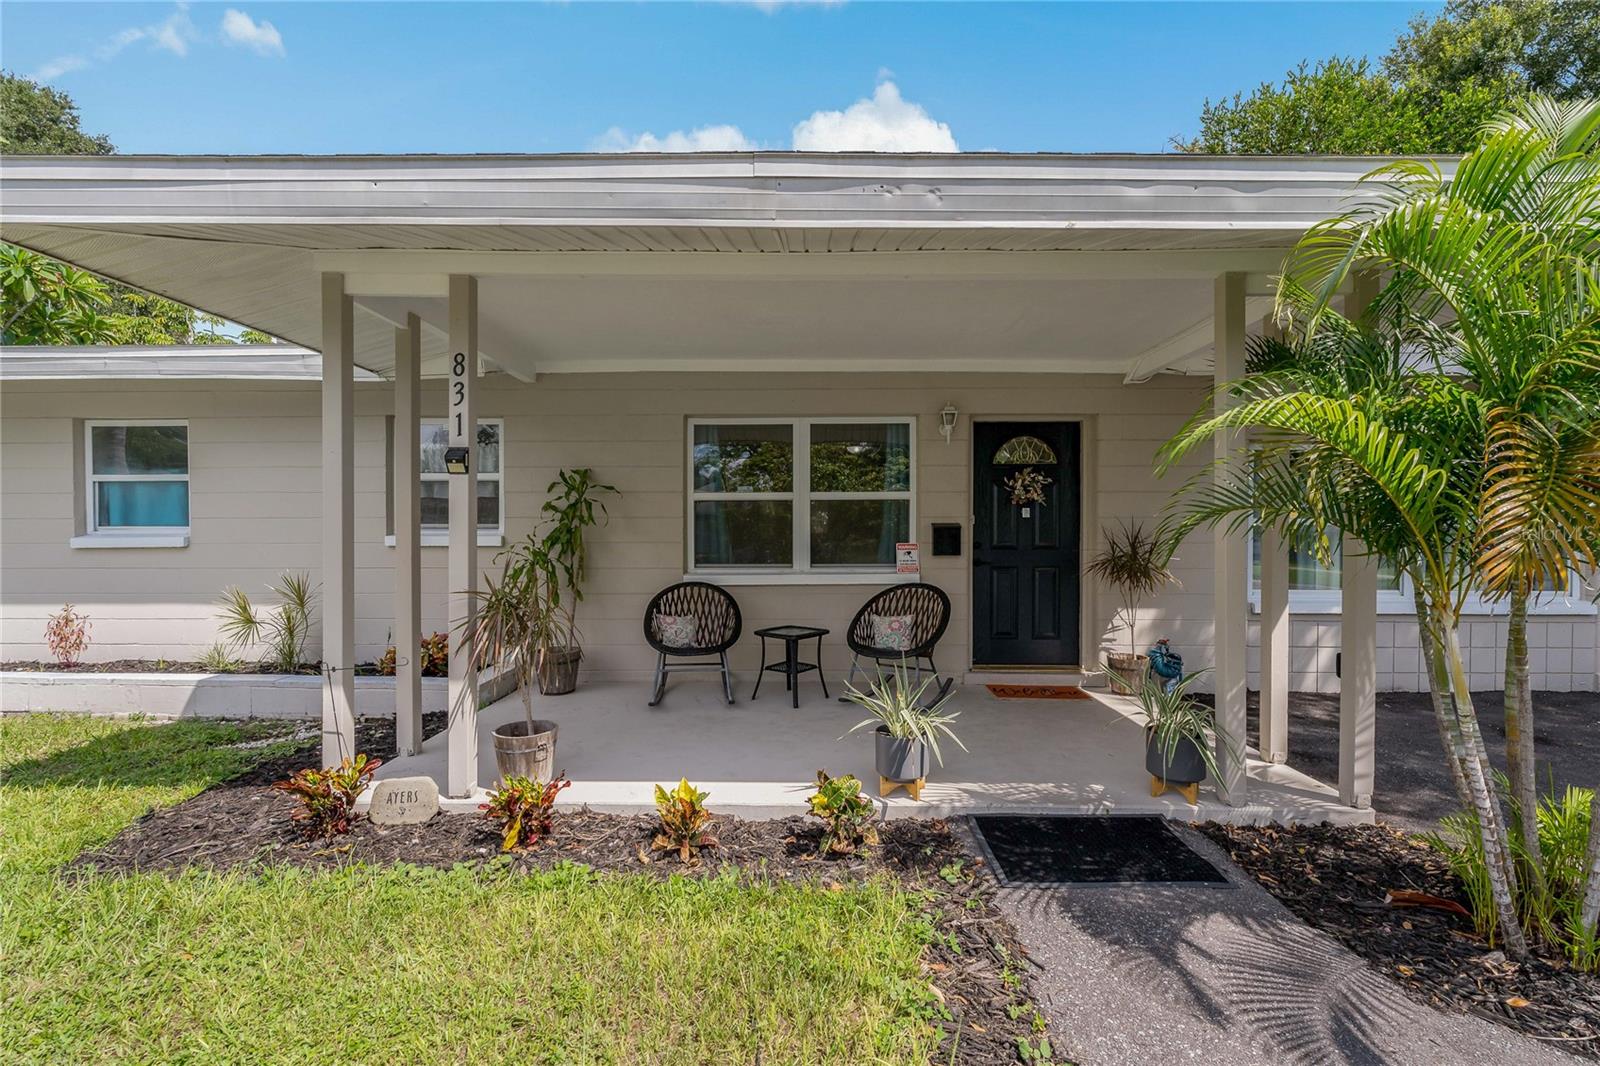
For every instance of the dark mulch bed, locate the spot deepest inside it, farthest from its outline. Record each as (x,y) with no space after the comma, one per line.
(979,968)
(167,666)
(1336,878)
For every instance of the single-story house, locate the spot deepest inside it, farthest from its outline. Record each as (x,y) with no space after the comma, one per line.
(655,318)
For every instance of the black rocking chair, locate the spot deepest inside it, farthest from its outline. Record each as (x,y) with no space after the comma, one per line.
(929,609)
(717,628)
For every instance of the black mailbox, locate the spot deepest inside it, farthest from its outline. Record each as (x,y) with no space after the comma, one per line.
(947,538)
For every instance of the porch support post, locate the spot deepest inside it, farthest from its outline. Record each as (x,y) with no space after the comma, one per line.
(407,531)
(1274,712)
(462,564)
(1358,674)
(1231,557)
(338,523)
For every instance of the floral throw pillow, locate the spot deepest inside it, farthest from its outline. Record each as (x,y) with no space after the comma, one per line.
(677,630)
(892,632)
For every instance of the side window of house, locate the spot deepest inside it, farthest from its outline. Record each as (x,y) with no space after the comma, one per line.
(807,495)
(1307,573)
(138,477)
(436,482)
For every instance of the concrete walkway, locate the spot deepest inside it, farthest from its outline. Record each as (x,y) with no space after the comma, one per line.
(1227,975)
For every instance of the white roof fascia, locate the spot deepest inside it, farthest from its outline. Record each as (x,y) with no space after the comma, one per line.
(243,362)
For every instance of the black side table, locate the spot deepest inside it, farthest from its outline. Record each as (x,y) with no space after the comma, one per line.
(791,667)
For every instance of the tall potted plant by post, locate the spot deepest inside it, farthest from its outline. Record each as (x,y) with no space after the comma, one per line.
(575,505)
(1133,562)
(516,617)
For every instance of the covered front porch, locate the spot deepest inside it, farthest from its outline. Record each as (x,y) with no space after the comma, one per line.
(759,758)
(601,309)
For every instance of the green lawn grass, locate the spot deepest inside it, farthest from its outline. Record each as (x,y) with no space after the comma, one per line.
(69,782)
(405,964)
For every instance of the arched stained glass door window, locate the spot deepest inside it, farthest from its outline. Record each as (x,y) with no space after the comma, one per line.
(1019,450)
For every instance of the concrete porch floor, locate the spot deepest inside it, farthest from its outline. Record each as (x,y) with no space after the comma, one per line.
(759,759)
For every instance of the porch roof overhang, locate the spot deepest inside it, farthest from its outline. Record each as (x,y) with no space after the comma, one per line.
(976,261)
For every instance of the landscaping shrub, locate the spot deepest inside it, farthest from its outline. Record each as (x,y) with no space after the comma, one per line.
(433,656)
(284,629)
(846,814)
(218,661)
(67,633)
(525,809)
(684,821)
(328,797)
(1549,895)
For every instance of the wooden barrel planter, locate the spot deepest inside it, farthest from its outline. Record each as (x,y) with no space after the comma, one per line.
(518,753)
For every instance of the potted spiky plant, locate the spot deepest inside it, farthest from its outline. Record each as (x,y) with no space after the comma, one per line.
(514,620)
(1134,562)
(906,729)
(1177,747)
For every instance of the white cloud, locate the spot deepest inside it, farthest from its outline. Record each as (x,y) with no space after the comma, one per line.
(769,6)
(175,34)
(885,123)
(59,66)
(700,139)
(261,37)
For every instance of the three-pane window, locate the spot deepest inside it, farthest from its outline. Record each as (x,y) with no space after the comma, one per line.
(800,494)
(138,476)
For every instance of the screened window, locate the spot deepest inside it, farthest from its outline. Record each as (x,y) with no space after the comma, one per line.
(436,482)
(138,477)
(800,494)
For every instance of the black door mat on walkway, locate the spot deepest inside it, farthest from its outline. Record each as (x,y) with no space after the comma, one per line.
(1090,850)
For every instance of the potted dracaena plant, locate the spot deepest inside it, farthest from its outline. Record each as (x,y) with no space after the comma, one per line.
(1133,562)
(515,618)
(1178,752)
(908,723)
(575,506)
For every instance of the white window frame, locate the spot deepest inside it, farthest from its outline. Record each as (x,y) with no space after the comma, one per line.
(1402,601)
(91,480)
(439,536)
(800,570)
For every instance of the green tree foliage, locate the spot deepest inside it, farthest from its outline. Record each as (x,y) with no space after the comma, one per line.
(48,302)
(1342,107)
(1550,47)
(38,120)
(1442,80)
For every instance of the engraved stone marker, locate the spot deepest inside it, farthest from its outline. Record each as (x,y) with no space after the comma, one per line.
(404,801)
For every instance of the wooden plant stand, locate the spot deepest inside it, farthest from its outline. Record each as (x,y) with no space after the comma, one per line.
(1190,792)
(913,788)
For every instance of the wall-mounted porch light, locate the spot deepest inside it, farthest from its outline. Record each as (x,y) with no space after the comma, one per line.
(947,421)
(455,460)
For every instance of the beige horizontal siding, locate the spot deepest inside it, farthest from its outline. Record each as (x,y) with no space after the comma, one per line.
(255,500)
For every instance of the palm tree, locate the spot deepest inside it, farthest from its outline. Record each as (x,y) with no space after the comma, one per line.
(1350,434)
(1506,254)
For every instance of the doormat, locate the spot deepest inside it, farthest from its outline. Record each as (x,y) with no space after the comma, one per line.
(1037,692)
(1090,850)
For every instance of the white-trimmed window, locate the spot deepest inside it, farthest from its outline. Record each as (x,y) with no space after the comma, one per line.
(436,482)
(1314,587)
(136,477)
(800,495)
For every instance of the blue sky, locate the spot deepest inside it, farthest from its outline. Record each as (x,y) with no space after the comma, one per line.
(386,77)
